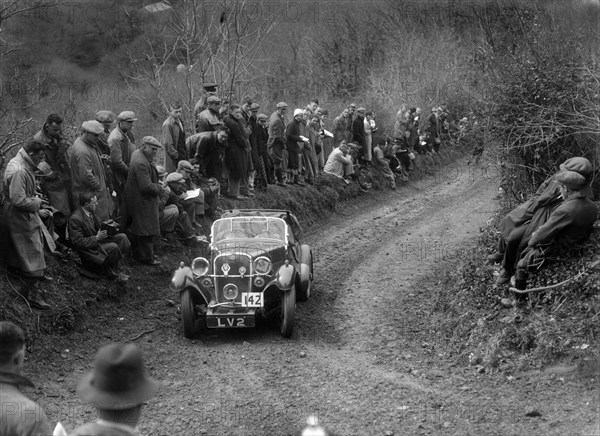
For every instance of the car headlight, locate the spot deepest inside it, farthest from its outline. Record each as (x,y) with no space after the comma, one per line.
(230,291)
(200,266)
(262,265)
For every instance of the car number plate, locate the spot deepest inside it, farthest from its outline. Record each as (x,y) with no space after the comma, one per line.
(229,321)
(252,299)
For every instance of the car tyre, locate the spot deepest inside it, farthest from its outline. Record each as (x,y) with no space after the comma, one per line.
(188,314)
(306,274)
(288,311)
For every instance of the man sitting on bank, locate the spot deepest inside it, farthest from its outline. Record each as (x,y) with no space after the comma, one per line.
(570,223)
(98,250)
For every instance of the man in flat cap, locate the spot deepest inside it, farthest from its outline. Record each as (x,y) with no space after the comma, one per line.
(19,416)
(209,119)
(207,150)
(196,206)
(340,127)
(117,387)
(106,118)
(276,142)
(56,183)
(87,169)
(173,138)
(517,227)
(257,174)
(142,196)
(569,224)
(122,145)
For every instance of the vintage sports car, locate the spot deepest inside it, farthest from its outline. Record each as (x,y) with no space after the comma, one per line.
(257,268)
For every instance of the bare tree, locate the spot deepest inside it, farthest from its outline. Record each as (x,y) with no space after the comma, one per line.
(14,95)
(194,41)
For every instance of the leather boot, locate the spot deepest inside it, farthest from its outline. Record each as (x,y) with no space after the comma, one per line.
(35,299)
(521,279)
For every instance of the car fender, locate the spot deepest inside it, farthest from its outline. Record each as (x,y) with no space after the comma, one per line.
(285,277)
(182,279)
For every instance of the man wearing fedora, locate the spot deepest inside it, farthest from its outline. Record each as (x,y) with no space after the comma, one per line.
(117,387)
(18,414)
(570,223)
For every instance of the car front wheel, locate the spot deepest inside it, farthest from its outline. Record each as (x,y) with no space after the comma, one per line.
(188,314)
(288,311)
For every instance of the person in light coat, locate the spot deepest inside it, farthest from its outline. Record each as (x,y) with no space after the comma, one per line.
(23,213)
(87,170)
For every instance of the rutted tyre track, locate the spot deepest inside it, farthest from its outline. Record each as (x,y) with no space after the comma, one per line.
(356,357)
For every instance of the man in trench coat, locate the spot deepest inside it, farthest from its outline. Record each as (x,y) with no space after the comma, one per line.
(87,170)
(142,195)
(23,212)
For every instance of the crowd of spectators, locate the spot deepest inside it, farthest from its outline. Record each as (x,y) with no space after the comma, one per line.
(106,195)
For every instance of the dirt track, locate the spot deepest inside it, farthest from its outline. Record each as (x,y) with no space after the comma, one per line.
(363,356)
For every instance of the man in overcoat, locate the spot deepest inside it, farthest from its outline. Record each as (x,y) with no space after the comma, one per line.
(121,143)
(340,128)
(173,138)
(276,142)
(87,170)
(236,154)
(295,144)
(142,194)
(517,227)
(23,212)
(569,224)
(358,131)
(57,183)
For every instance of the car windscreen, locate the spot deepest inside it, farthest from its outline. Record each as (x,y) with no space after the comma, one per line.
(249,228)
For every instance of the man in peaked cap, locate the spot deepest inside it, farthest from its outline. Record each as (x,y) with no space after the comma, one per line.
(210,89)
(569,224)
(209,119)
(117,387)
(87,170)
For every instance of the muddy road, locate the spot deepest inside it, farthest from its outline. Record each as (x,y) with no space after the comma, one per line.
(363,356)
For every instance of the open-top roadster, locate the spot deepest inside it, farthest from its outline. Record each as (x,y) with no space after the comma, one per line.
(257,268)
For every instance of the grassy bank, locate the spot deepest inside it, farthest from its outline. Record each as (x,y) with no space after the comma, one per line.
(559,324)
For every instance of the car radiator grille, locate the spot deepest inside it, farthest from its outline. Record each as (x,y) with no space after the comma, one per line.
(224,276)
